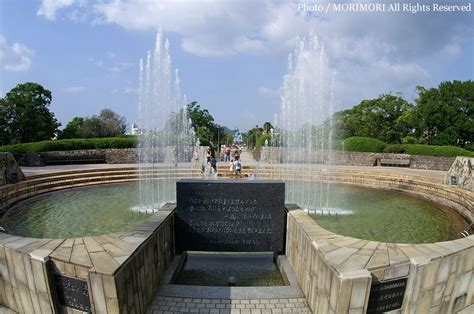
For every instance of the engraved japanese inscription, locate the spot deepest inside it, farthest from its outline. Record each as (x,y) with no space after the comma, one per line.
(387,295)
(72,292)
(240,215)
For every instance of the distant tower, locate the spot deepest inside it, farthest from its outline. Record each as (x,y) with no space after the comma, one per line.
(238,137)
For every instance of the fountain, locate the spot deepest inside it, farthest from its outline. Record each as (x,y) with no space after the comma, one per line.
(307,105)
(166,136)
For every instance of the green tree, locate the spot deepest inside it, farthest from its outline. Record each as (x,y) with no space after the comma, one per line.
(106,124)
(203,123)
(73,128)
(24,115)
(252,135)
(384,118)
(445,115)
(267,126)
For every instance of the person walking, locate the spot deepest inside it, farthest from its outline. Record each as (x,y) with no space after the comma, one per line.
(237,165)
(227,153)
(209,155)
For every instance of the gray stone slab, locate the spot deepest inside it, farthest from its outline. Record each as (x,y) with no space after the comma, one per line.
(225,215)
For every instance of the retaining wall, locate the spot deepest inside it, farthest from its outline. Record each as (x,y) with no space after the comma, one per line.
(275,156)
(336,272)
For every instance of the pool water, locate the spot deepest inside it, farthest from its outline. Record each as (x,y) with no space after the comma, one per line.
(76,212)
(248,270)
(383,215)
(364,213)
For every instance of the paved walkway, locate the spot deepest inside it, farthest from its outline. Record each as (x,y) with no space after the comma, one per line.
(165,305)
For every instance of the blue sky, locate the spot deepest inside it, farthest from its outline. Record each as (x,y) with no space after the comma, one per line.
(232,55)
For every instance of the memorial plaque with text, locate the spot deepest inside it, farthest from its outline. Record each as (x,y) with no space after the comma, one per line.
(231,215)
(387,295)
(72,292)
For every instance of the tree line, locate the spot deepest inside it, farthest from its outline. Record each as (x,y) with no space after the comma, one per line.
(25,117)
(442,115)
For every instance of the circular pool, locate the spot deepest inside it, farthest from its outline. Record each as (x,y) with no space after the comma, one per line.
(76,212)
(383,215)
(349,210)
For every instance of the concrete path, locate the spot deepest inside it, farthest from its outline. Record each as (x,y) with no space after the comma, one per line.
(163,304)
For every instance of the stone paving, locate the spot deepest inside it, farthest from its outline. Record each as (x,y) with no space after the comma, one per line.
(164,305)
(4,310)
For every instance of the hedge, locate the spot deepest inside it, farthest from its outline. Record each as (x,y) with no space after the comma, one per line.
(428,150)
(72,144)
(360,144)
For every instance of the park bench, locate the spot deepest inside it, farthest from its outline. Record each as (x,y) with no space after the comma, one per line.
(394,162)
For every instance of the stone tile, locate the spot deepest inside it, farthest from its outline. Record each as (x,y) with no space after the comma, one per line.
(98,295)
(103,263)
(80,256)
(395,255)
(92,245)
(378,260)
(452,246)
(354,262)
(410,250)
(340,255)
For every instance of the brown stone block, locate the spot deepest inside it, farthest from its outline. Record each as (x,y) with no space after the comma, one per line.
(104,263)
(80,256)
(97,293)
(69,269)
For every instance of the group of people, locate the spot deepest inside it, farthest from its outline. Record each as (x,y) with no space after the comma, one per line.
(234,160)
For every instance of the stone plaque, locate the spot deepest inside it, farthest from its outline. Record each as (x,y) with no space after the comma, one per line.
(454,180)
(72,292)
(230,215)
(387,295)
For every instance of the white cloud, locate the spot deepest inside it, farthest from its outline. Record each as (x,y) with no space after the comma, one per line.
(16,57)
(268,92)
(371,52)
(48,8)
(73,89)
(111,65)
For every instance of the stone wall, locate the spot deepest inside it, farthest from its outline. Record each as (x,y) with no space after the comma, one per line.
(275,155)
(326,290)
(24,282)
(336,272)
(121,156)
(346,158)
(10,172)
(461,173)
(122,271)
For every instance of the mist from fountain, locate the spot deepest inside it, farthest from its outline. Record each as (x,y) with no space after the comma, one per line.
(166,134)
(307,105)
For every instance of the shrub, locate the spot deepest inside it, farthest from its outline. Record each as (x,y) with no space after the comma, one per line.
(72,144)
(437,151)
(410,140)
(394,149)
(360,144)
(469,146)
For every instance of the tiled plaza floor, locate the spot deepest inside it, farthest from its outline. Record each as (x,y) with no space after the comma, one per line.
(165,305)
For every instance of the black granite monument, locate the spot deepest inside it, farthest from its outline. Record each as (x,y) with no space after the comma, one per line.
(387,295)
(72,292)
(230,216)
